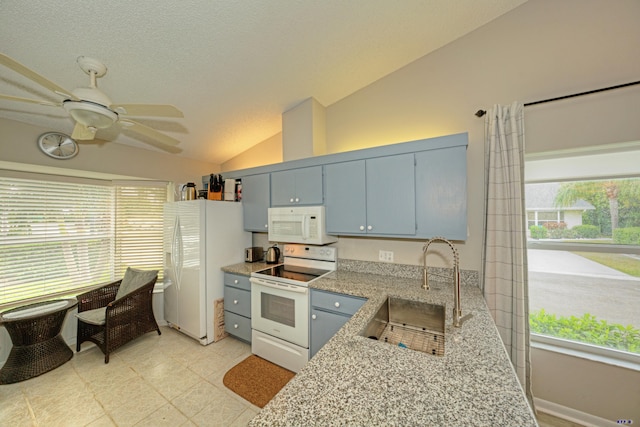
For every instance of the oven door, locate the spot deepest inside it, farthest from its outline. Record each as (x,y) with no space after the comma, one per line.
(280,310)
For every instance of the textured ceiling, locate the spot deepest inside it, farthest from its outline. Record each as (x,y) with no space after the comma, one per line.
(232,67)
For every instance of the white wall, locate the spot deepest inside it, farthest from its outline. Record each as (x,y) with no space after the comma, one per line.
(18,144)
(267,152)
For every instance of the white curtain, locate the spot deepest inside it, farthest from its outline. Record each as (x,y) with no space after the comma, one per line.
(505,241)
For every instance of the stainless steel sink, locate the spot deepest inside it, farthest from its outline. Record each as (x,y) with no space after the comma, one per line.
(411,324)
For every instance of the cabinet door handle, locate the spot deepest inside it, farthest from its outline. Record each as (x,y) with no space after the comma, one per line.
(362,228)
(369,227)
(297,199)
(266,226)
(235,301)
(313,316)
(337,304)
(291,200)
(235,326)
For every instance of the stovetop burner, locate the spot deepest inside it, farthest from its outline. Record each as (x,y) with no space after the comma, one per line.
(302,265)
(293,272)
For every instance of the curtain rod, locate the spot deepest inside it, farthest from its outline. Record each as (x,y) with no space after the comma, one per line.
(481,113)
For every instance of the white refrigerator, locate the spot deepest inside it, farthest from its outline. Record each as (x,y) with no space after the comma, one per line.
(200,237)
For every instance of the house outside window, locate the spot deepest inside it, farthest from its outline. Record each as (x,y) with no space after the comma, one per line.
(543,211)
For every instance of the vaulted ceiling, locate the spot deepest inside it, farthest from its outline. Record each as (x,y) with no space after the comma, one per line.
(232,67)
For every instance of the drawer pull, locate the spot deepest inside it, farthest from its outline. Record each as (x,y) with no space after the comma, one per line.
(313,316)
(235,281)
(235,301)
(337,304)
(235,326)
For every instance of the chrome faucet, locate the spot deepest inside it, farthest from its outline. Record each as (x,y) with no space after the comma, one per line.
(457,311)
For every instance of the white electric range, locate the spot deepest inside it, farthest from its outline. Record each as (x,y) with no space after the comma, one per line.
(280,304)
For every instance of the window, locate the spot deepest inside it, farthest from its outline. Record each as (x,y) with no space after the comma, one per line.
(584,266)
(138,227)
(58,236)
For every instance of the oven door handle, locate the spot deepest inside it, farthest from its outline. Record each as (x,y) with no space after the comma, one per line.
(274,285)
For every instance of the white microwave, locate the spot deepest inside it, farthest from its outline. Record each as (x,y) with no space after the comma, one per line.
(299,224)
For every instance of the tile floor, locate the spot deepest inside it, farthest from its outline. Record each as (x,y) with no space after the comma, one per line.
(167,380)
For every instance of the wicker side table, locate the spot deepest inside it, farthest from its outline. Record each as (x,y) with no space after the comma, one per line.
(38,346)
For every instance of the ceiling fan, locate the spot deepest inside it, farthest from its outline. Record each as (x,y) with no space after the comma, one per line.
(92,109)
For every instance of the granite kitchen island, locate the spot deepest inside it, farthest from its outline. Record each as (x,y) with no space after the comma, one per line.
(354,380)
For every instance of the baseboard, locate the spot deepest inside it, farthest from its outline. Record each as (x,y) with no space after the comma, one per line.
(571,414)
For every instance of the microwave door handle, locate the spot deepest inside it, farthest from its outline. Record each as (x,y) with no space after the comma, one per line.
(305,226)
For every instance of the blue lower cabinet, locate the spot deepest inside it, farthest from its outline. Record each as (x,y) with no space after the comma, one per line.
(237,306)
(329,312)
(238,326)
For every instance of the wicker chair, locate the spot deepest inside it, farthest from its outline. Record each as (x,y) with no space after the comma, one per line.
(111,320)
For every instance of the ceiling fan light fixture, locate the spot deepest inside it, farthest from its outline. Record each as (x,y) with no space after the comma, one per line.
(90,114)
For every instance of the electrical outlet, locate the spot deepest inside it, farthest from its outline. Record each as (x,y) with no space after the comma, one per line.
(386,256)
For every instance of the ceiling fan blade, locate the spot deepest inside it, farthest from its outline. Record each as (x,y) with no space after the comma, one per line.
(156,110)
(83,133)
(32,75)
(162,139)
(33,101)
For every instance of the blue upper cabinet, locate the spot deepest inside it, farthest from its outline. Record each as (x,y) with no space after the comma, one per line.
(411,190)
(255,202)
(441,193)
(301,186)
(346,199)
(370,196)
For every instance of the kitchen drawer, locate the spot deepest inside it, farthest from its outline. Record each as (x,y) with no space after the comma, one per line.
(237,281)
(237,301)
(238,326)
(338,303)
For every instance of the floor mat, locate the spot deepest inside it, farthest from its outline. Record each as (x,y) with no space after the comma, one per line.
(256,380)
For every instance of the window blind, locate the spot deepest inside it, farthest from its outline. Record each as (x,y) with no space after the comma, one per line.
(58,237)
(54,237)
(138,223)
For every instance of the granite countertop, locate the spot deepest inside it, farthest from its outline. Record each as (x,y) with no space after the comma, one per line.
(246,268)
(354,380)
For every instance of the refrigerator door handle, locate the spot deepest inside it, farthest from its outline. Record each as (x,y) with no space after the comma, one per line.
(177,252)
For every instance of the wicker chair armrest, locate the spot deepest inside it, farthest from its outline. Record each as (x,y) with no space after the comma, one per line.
(123,309)
(98,297)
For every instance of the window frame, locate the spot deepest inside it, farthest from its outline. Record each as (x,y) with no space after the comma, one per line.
(585,171)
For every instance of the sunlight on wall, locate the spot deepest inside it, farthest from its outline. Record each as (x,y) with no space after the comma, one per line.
(264,153)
